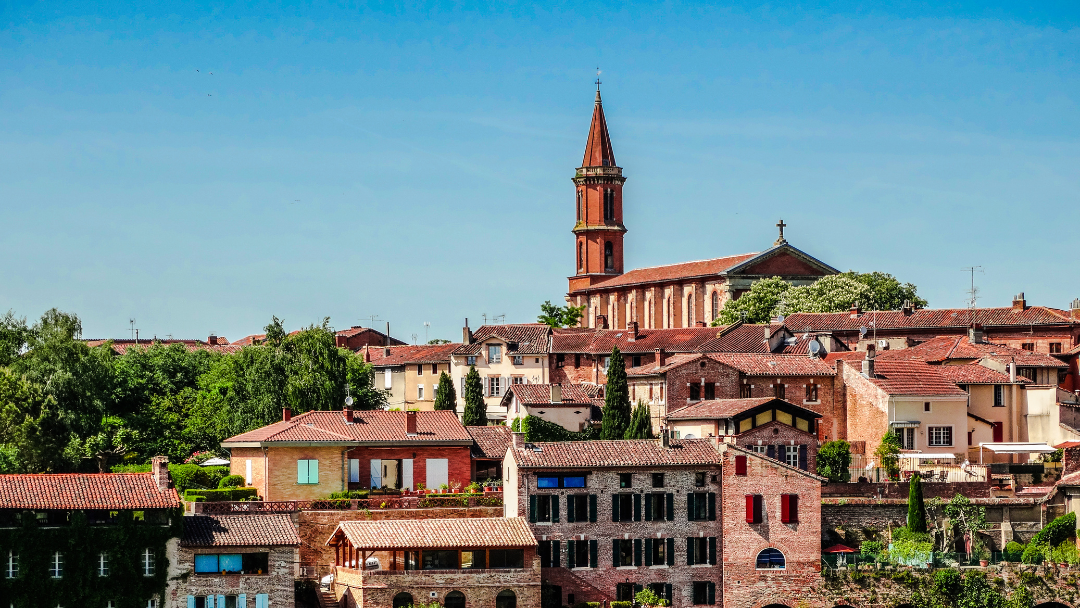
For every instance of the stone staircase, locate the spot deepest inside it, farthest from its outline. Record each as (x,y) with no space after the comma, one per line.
(327,599)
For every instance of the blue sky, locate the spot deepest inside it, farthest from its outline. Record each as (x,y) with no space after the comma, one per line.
(413,161)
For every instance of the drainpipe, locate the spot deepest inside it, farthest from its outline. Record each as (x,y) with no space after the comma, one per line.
(343,453)
(266,474)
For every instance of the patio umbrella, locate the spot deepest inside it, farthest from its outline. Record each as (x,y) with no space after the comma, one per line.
(840,549)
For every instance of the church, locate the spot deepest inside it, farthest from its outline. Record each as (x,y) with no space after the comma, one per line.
(690,294)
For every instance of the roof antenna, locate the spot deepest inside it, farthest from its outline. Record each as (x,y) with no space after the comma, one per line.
(973,293)
(132,323)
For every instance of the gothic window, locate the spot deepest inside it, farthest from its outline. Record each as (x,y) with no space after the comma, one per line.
(609,256)
(579,205)
(609,205)
(581,256)
(715,304)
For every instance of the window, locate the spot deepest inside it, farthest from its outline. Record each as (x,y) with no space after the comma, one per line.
(473,559)
(149,565)
(704,592)
(11,569)
(701,506)
(740,466)
(811,392)
(519,360)
(746,391)
(1055,348)
(657,553)
(544,508)
(699,479)
(907,438)
(547,482)
(760,449)
(609,256)
(999,395)
(1028,346)
(439,560)
(56,565)
(420,392)
(636,359)
(939,435)
(609,204)
(655,506)
(695,392)
(550,552)
(1028,372)
(103,564)
(470,361)
(506,558)
(710,391)
(579,205)
(420,369)
(791,455)
(771,559)
(715,304)
(494,353)
(789,508)
(754,508)
(560,360)
(626,480)
(624,592)
(626,507)
(657,480)
(781,391)
(307,471)
(926,406)
(623,554)
(494,386)
(455,599)
(605,362)
(517,380)
(581,256)
(577,553)
(577,507)
(573,481)
(700,550)
(434,368)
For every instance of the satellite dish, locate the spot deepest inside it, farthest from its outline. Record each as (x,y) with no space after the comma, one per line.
(348,401)
(779,318)
(815,347)
(862,331)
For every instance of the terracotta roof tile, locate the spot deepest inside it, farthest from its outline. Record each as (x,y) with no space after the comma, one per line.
(524,338)
(929,318)
(973,373)
(122,346)
(673,272)
(254,530)
(737,339)
(85,491)
(617,453)
(718,408)
(402,355)
(757,364)
(670,363)
(913,378)
(490,441)
(375,426)
(601,341)
(945,348)
(465,532)
(540,394)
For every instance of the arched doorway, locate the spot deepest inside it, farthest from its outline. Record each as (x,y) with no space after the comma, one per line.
(454,599)
(402,600)
(505,599)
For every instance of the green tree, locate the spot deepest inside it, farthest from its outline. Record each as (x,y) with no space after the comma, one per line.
(1021,598)
(560,316)
(616,399)
(834,461)
(435,341)
(445,395)
(834,293)
(916,509)
(757,305)
(888,454)
(112,440)
(14,336)
(475,410)
(886,293)
(640,422)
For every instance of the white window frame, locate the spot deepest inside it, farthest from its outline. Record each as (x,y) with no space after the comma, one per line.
(247,471)
(103,564)
(149,566)
(930,439)
(12,566)
(494,386)
(419,392)
(56,565)
(519,360)
(791,452)
(494,353)
(470,361)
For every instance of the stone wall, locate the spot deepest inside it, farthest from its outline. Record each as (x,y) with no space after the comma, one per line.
(277,583)
(945,491)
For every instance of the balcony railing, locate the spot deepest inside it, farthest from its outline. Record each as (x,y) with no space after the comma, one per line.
(431,501)
(458,571)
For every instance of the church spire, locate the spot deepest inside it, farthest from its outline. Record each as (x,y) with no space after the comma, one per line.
(598,152)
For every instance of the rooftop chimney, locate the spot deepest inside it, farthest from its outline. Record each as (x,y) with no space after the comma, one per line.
(661,357)
(286,414)
(601,322)
(519,441)
(1070,461)
(665,438)
(466,334)
(159,466)
(386,352)
(1074,309)
(212,340)
(976,334)
(556,393)
(1019,304)
(347,411)
(907,308)
(1012,372)
(868,363)
(855,310)
(631,329)
(410,423)
(699,324)
(339,341)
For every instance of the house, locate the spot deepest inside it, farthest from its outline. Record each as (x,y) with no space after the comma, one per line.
(456,563)
(503,355)
(123,524)
(489,448)
(410,373)
(614,517)
(357,337)
(306,457)
(235,561)
(766,425)
(571,406)
(582,355)
(212,343)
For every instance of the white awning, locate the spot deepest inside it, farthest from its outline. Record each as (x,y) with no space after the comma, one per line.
(920,455)
(904,424)
(1018,448)
(214,462)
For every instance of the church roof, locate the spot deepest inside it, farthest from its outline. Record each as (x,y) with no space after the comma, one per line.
(598,152)
(672,272)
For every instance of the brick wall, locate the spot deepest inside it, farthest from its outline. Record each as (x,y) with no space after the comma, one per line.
(277,583)
(282,473)
(778,433)
(459,463)
(970,489)
(867,408)
(238,466)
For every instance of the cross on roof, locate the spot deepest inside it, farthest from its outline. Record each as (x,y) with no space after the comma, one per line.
(781,225)
(597,79)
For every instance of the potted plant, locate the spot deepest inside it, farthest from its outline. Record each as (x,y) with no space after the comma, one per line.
(455,486)
(980,552)
(442,488)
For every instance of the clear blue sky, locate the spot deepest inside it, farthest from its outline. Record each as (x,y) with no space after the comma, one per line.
(414,163)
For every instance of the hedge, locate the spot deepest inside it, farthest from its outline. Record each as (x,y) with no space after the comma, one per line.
(184,476)
(1052,535)
(220,495)
(231,481)
(540,430)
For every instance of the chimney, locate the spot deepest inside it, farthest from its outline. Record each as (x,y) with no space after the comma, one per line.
(410,423)
(1070,460)
(601,322)
(665,438)
(286,414)
(466,334)
(367,354)
(699,324)
(1012,372)
(976,334)
(907,308)
(855,310)
(1019,304)
(556,393)
(212,340)
(631,329)
(386,352)
(1074,309)
(519,441)
(347,411)
(159,466)
(868,363)
(661,357)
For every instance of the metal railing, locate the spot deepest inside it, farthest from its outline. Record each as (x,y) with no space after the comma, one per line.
(445,571)
(937,560)
(433,501)
(928,473)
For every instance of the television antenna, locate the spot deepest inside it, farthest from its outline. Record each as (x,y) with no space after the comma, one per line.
(131,322)
(414,339)
(973,292)
(498,318)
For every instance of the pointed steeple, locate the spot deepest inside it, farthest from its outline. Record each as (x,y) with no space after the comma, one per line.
(598,152)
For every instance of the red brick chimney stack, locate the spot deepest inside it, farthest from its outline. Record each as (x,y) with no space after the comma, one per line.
(631,331)
(699,324)
(286,414)
(466,334)
(1074,310)
(855,310)
(212,340)
(159,466)
(347,411)
(1019,304)
(661,357)
(519,441)
(410,423)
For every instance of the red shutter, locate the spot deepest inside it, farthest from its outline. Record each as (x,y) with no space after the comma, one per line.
(740,465)
(785,508)
(751,511)
(999,432)
(793,507)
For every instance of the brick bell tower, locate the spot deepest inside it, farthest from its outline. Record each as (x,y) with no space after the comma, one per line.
(598,229)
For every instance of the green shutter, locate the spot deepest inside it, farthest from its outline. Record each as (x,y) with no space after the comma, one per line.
(712,506)
(556,553)
(648,551)
(711,599)
(637,551)
(532,509)
(614,507)
(670,551)
(592,553)
(571,502)
(570,557)
(615,553)
(637,588)
(592,509)
(555,508)
(689,551)
(712,550)
(637,507)
(648,507)
(689,506)
(301,471)
(670,507)
(313,471)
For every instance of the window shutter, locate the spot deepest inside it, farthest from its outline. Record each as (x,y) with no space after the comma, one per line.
(614,507)
(802,456)
(532,509)
(262,600)
(648,551)
(301,471)
(712,550)
(570,504)
(191,601)
(770,451)
(740,465)
(759,508)
(221,601)
(637,551)
(592,553)
(637,507)
(712,506)
(670,553)
(313,473)
(637,588)
(670,507)
(793,507)
(241,600)
(615,553)
(750,514)
(556,552)
(689,551)
(555,509)
(210,601)
(667,592)
(711,587)
(570,556)
(785,510)
(592,508)
(648,508)
(690,506)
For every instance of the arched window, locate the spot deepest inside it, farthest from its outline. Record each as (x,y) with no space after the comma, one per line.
(609,256)
(579,205)
(609,204)
(454,599)
(771,559)
(581,256)
(402,600)
(715,304)
(506,599)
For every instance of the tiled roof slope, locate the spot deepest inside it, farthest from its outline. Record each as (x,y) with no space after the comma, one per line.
(973,373)
(717,408)
(601,341)
(490,441)
(673,361)
(617,453)
(375,426)
(757,364)
(438,533)
(737,339)
(929,318)
(529,338)
(674,272)
(913,378)
(253,530)
(944,348)
(540,394)
(401,355)
(85,491)
(121,347)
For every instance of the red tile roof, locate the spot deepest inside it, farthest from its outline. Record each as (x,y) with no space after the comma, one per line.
(673,272)
(122,346)
(944,348)
(718,408)
(973,373)
(490,441)
(670,363)
(757,364)
(913,378)
(737,338)
(572,394)
(402,355)
(598,151)
(375,426)
(616,453)
(601,341)
(253,530)
(929,318)
(85,491)
(1072,351)
(524,338)
(464,532)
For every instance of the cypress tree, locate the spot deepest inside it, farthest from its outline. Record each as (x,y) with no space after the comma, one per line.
(475,410)
(445,395)
(640,423)
(916,509)
(616,399)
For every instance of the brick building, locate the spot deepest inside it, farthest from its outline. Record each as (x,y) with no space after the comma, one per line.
(678,295)
(489,448)
(503,355)
(458,563)
(410,373)
(357,337)
(571,406)
(306,457)
(239,561)
(613,517)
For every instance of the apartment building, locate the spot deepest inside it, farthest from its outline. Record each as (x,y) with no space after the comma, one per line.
(503,355)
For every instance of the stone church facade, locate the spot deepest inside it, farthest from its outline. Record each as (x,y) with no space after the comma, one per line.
(662,297)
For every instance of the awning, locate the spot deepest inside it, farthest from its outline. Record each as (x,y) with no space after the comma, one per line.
(1017,448)
(927,456)
(904,424)
(214,462)
(839,549)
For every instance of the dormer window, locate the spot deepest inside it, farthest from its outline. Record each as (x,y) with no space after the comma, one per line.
(494,353)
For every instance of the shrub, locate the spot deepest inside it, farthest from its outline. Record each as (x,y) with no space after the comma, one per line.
(909,547)
(231,481)
(349,495)
(622,604)
(1013,551)
(948,584)
(220,495)
(833,460)
(916,518)
(1052,535)
(1065,553)
(588,605)
(193,476)
(872,548)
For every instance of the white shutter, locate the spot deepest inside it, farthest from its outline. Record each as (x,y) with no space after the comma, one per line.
(406,473)
(438,472)
(354,470)
(388,381)
(247,477)
(376,473)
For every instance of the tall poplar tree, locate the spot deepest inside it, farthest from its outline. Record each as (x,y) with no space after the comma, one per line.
(475,410)
(640,423)
(916,508)
(445,395)
(616,399)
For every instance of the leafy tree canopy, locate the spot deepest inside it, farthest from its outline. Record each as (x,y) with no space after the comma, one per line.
(560,316)
(435,341)
(834,460)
